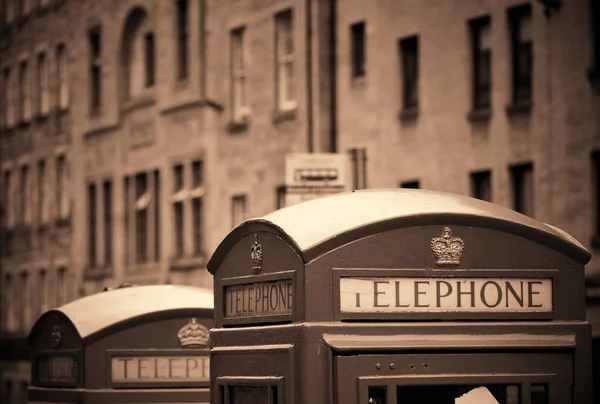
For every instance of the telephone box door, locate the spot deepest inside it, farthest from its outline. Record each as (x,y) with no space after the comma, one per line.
(454,378)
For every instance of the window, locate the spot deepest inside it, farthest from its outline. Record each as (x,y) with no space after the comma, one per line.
(62,197)
(156,199)
(127,218)
(358,51)
(409,53)
(239,77)
(108,223)
(138,54)
(481,62)
(24,391)
(42,85)
(7,303)
(182,39)
(281,193)
(62,73)
(595,16)
(24,96)
(11,11)
(596,191)
(26,6)
(92,226)
(141,217)
(481,185)
(95,43)
(196,194)
(359,168)
(42,292)
(24,196)
(410,184)
(238,209)
(42,209)
(8,99)
(522,187)
(7,195)
(184,194)
(24,307)
(521,52)
(286,74)
(7,389)
(62,284)
(178,212)
(149,54)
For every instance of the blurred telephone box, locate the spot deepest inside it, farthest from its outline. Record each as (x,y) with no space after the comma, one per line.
(399,296)
(142,344)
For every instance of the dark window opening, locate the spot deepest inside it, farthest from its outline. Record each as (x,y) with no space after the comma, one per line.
(522,187)
(126,191)
(92,258)
(108,236)
(95,42)
(409,52)
(521,53)
(149,58)
(141,218)
(595,16)
(596,190)
(156,198)
(481,62)
(481,185)
(182,39)
(238,209)
(358,50)
(359,168)
(410,184)
(280,201)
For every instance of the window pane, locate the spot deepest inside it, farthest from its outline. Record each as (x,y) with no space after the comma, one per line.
(92,226)
(197,224)
(249,395)
(377,395)
(178,213)
(149,53)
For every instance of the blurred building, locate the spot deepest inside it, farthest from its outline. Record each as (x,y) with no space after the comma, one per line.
(137,133)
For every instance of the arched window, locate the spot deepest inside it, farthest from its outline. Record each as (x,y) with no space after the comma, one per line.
(138,54)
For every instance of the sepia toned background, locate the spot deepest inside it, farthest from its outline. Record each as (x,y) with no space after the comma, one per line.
(136,134)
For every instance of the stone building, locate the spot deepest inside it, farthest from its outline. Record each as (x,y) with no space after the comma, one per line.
(137,133)
(36,169)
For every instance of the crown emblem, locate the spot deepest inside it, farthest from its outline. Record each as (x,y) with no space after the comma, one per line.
(447,249)
(256,255)
(56,337)
(193,335)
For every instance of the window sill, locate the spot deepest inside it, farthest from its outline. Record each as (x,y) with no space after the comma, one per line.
(480,115)
(178,264)
(238,126)
(594,78)
(24,124)
(284,115)
(41,117)
(63,222)
(358,81)
(138,102)
(409,114)
(97,273)
(521,108)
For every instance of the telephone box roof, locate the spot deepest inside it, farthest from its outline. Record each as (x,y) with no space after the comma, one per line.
(95,313)
(317,226)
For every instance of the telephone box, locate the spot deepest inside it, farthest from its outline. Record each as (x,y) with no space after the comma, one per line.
(143,344)
(399,296)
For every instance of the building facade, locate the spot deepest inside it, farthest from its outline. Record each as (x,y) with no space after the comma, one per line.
(137,133)
(36,167)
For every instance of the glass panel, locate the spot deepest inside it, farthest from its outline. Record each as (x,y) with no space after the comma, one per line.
(491,394)
(377,395)
(539,394)
(249,395)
